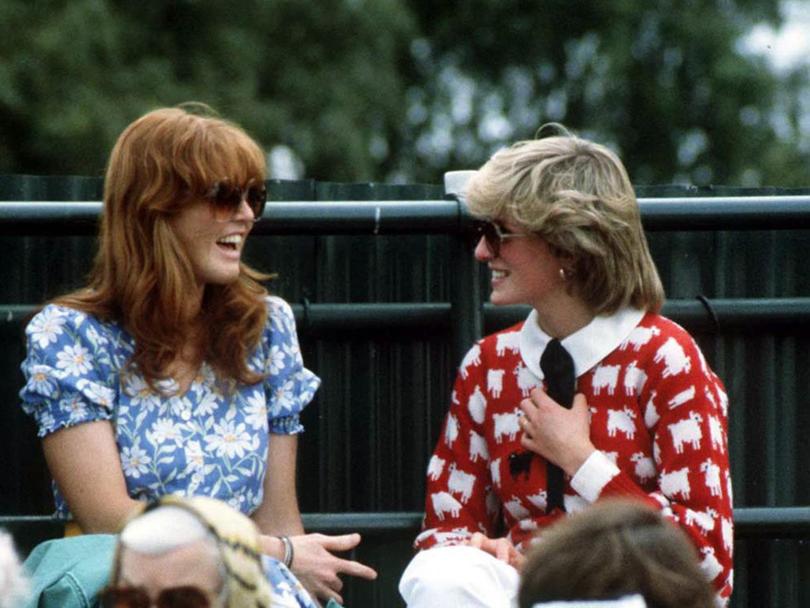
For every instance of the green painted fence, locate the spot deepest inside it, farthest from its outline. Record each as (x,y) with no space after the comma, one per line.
(387,297)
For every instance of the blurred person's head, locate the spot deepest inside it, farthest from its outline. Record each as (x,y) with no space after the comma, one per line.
(614,549)
(577,197)
(13,584)
(189,553)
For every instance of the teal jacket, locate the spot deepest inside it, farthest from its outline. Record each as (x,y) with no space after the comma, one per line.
(69,572)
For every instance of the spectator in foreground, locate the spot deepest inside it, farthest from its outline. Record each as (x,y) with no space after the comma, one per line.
(196,553)
(611,550)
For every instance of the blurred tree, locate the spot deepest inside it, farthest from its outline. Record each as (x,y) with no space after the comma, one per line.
(664,82)
(320,77)
(404,90)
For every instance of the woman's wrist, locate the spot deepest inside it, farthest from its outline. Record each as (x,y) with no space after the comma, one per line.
(577,459)
(288,551)
(272,546)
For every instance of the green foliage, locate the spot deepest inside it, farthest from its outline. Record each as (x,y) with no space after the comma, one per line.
(389,90)
(663,82)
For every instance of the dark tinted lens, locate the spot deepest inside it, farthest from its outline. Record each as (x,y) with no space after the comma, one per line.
(183,597)
(256,198)
(491,236)
(124,597)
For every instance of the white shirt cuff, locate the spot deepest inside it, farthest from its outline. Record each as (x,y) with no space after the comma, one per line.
(594,474)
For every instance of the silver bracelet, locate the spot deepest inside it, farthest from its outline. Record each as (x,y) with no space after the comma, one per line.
(289,553)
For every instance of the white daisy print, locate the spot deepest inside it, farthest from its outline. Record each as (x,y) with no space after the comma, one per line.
(275,360)
(285,396)
(46,326)
(134,461)
(40,382)
(165,430)
(74,360)
(229,439)
(256,411)
(97,393)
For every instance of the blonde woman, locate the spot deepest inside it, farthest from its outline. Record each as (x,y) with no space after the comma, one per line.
(561,231)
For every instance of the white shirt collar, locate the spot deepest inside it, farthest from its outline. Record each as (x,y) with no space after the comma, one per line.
(588,346)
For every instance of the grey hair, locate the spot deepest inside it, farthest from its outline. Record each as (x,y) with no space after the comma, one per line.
(577,196)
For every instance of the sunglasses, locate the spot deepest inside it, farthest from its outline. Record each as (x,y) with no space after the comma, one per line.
(494,235)
(226,198)
(137,597)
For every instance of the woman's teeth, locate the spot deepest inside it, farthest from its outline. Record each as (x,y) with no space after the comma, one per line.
(232,241)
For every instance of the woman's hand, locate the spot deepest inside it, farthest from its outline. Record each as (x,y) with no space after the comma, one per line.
(559,435)
(315,566)
(500,548)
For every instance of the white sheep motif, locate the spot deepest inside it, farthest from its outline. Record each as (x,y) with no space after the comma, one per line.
(716,433)
(477,405)
(727,532)
(634,379)
(516,508)
(435,467)
(712,474)
(645,467)
(508,341)
(605,376)
(683,397)
(460,482)
(676,482)
(495,472)
(651,415)
(472,358)
(674,358)
(526,380)
(621,421)
(639,337)
(703,519)
(539,500)
(687,431)
(478,447)
(709,564)
(506,425)
(495,382)
(451,430)
(444,502)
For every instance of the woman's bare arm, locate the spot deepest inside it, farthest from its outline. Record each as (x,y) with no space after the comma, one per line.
(85,464)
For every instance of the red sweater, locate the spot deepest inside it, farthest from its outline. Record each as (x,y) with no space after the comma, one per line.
(658,421)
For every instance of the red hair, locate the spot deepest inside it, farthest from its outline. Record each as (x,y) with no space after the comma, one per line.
(142,276)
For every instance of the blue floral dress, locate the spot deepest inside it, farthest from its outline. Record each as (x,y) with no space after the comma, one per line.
(199,443)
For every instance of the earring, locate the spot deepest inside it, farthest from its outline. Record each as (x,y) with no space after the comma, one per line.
(564,274)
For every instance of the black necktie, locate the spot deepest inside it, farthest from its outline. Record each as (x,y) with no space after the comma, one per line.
(558,369)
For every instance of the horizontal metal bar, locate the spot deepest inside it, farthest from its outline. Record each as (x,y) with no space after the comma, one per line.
(318,319)
(425,217)
(749,522)
(730,314)
(726,213)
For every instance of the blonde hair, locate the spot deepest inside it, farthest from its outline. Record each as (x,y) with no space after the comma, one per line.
(142,276)
(577,196)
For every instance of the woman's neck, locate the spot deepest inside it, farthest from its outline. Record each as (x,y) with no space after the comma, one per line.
(564,319)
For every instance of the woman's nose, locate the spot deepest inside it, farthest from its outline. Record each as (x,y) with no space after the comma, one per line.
(244,212)
(482,251)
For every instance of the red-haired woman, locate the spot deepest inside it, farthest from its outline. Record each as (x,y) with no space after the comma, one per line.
(174,371)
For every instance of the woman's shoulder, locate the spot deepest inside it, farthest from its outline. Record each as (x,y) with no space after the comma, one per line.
(277,305)
(55,320)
